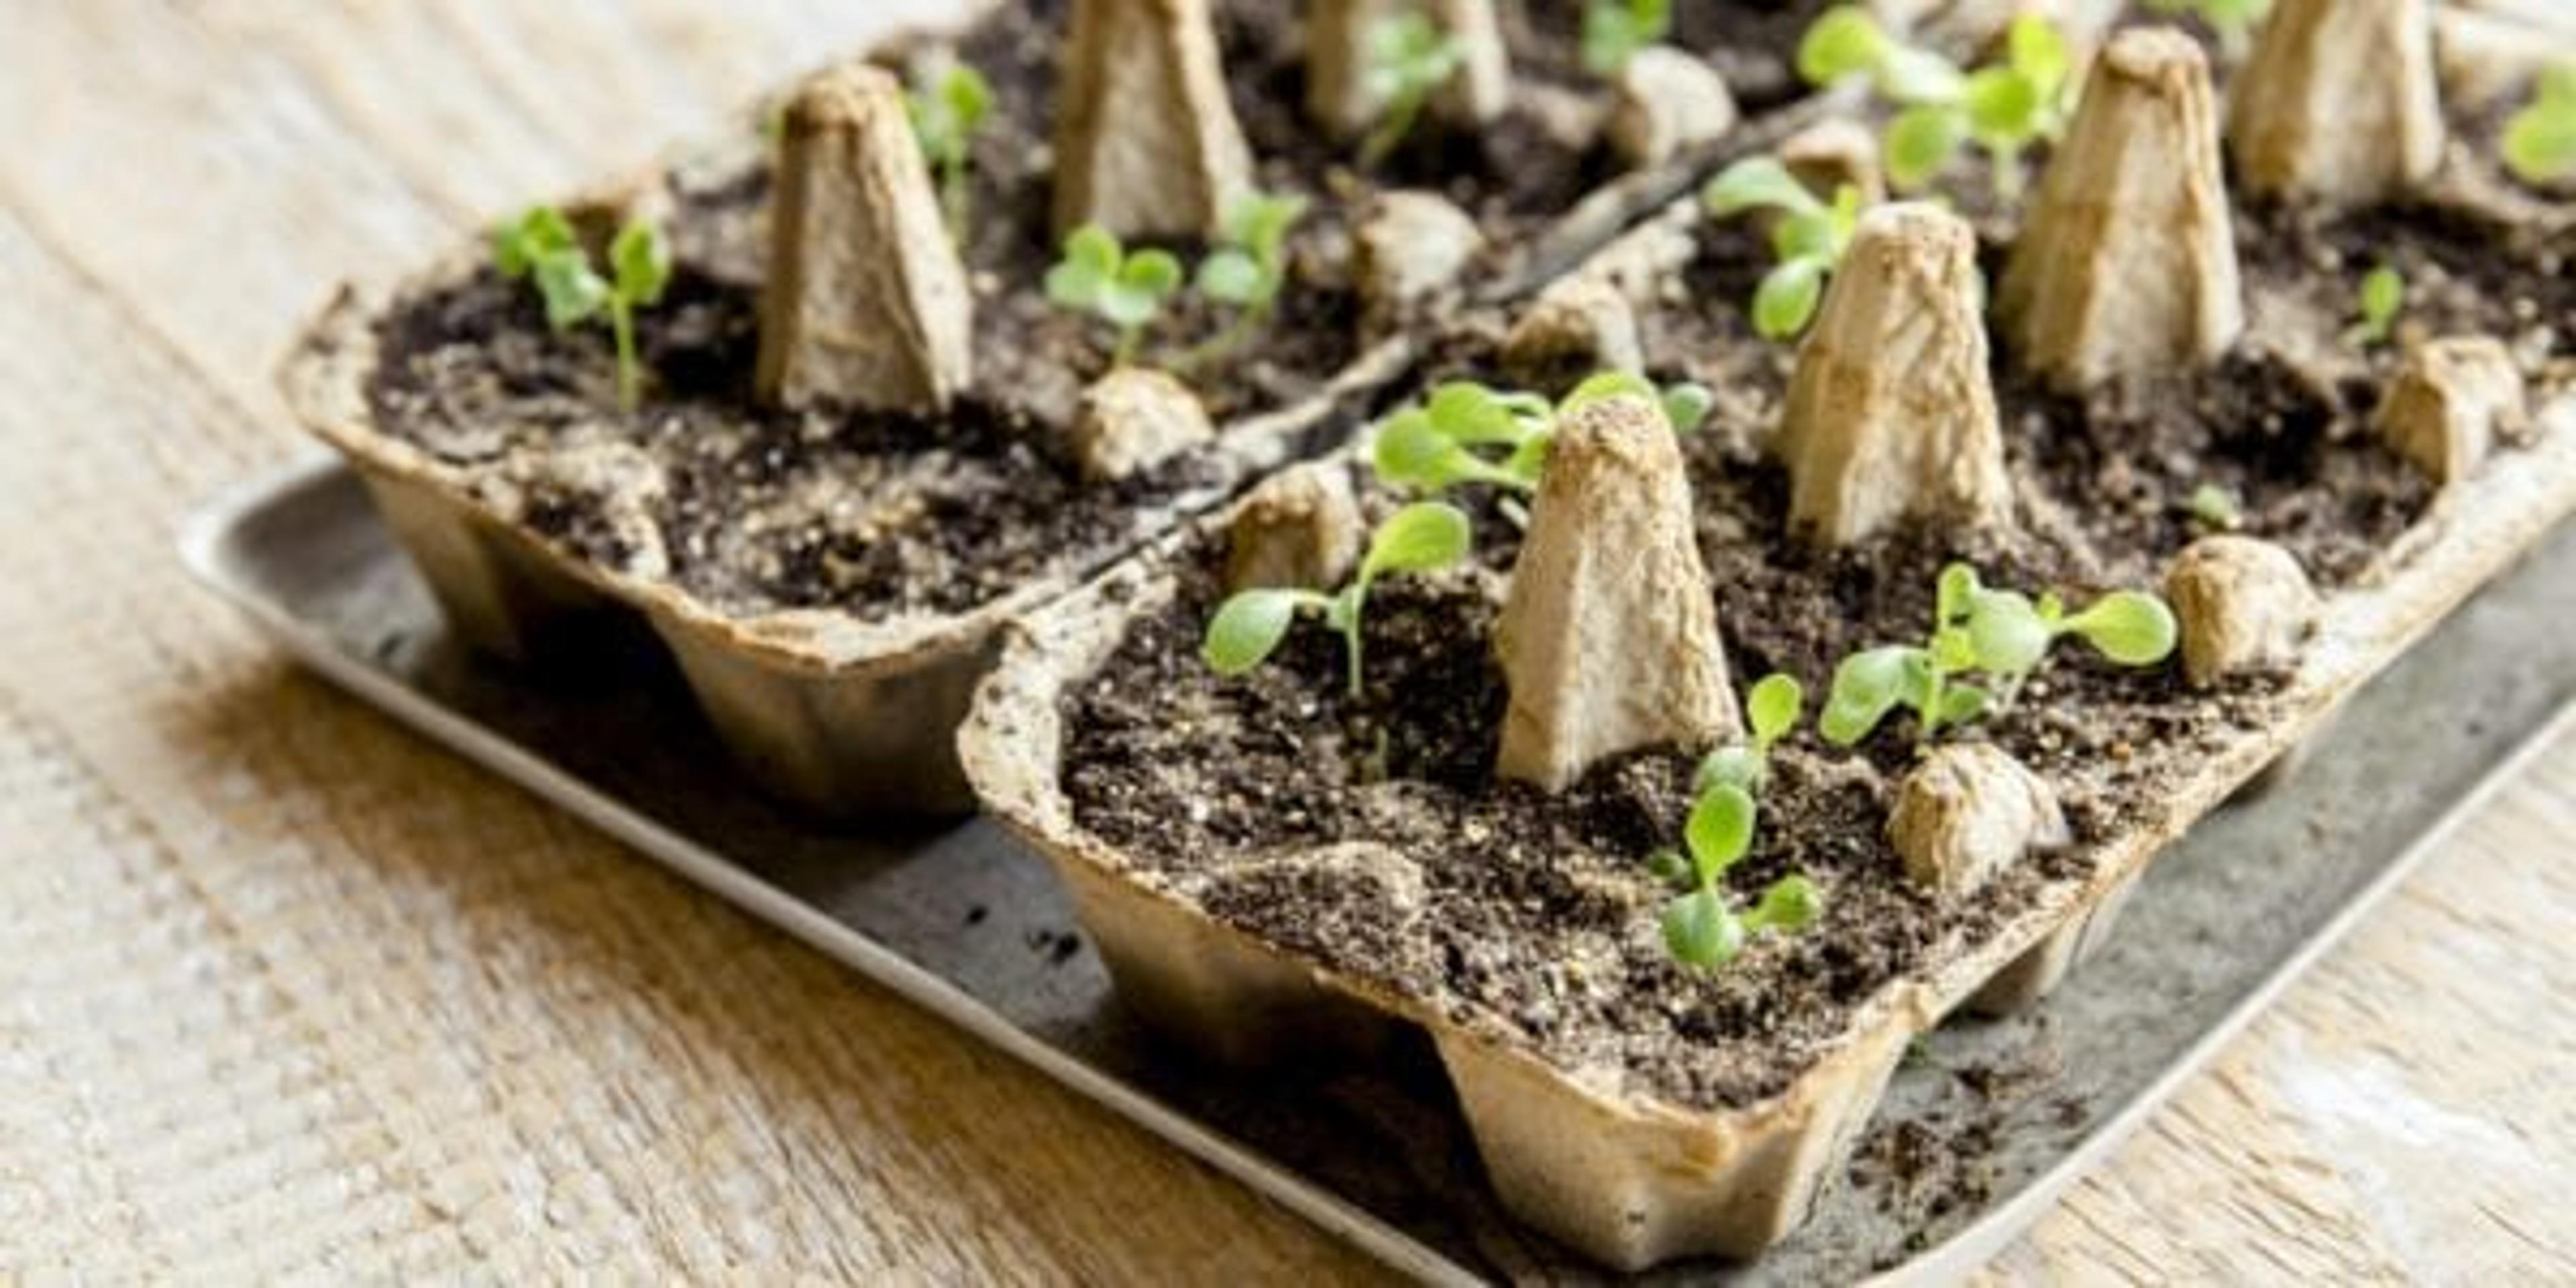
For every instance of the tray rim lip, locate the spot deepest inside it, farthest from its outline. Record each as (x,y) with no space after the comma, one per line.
(207,530)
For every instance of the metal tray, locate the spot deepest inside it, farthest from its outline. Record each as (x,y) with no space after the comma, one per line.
(1987,1122)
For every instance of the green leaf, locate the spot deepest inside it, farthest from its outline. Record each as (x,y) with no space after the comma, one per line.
(572,290)
(2036,50)
(1920,143)
(1686,406)
(2006,631)
(538,232)
(1918,76)
(1421,537)
(968,96)
(1614,30)
(1472,414)
(641,259)
(1786,300)
(1757,183)
(1951,592)
(1083,278)
(1669,867)
(1247,628)
(1230,276)
(1815,235)
(1961,703)
(1772,708)
(2383,293)
(1095,250)
(1699,930)
(2003,107)
(1867,685)
(1738,766)
(1792,903)
(2129,627)
(2539,142)
(1845,41)
(1411,453)
(1719,831)
(2215,507)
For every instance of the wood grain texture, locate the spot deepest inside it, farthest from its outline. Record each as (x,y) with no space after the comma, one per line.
(284,992)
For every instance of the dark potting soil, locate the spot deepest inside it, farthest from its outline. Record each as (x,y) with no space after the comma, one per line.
(1540,916)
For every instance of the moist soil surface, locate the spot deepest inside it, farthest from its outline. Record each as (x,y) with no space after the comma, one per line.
(1539,917)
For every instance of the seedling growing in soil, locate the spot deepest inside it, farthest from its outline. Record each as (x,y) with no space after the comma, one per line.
(1423,537)
(1099,277)
(1999,633)
(2540,139)
(1699,928)
(1614,30)
(946,114)
(1809,238)
(1771,710)
(2214,506)
(2383,293)
(1467,433)
(2004,108)
(2233,20)
(1409,58)
(1249,267)
(541,246)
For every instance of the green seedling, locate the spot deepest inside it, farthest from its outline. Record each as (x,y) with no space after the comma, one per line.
(541,246)
(946,113)
(1423,537)
(1615,30)
(2004,109)
(2233,20)
(1126,290)
(1409,58)
(1771,709)
(2382,295)
(1809,238)
(2540,138)
(1700,929)
(1249,267)
(2002,635)
(1467,433)
(2215,507)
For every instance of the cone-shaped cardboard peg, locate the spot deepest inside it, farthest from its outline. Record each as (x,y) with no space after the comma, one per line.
(1891,413)
(2126,265)
(2243,605)
(1346,100)
(1609,638)
(2339,103)
(2451,402)
(1968,812)
(1301,527)
(1146,144)
(867,302)
(1668,100)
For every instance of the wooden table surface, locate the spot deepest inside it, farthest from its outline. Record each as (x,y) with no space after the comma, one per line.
(285,991)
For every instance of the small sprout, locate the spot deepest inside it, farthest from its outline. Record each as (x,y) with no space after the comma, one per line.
(2540,139)
(1249,267)
(1771,710)
(2004,109)
(946,113)
(1423,537)
(1615,30)
(541,246)
(2214,506)
(2233,20)
(1099,277)
(2383,293)
(2001,634)
(1467,433)
(1809,238)
(1699,928)
(1409,58)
